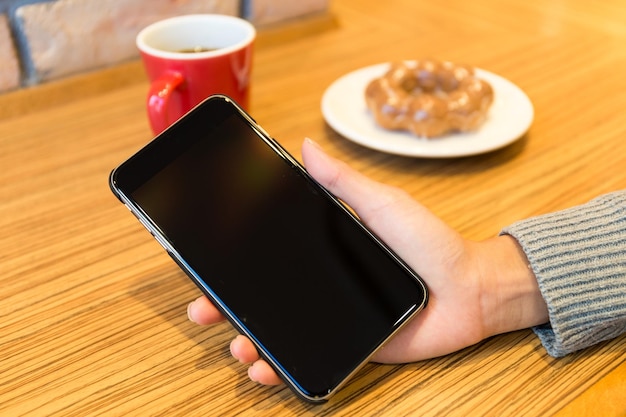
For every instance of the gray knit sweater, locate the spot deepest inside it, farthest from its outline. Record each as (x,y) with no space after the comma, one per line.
(579,258)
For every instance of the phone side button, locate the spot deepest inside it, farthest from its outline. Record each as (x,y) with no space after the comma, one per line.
(161,241)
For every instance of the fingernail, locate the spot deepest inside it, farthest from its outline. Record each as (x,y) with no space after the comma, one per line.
(189,312)
(312,142)
(251,374)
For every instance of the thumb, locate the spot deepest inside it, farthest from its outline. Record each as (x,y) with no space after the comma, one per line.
(408,227)
(364,195)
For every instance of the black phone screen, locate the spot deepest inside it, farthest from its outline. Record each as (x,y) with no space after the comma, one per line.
(285,260)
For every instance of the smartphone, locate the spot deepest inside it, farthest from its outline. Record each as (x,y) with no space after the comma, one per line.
(286,262)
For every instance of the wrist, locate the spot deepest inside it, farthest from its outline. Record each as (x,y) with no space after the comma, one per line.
(510,295)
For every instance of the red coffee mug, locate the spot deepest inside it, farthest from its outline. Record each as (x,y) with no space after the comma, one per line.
(188,58)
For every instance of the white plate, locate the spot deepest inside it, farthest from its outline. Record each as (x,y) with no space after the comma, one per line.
(345,110)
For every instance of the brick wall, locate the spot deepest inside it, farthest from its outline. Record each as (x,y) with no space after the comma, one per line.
(44,40)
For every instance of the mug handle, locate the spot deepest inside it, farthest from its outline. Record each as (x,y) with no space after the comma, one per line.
(158,100)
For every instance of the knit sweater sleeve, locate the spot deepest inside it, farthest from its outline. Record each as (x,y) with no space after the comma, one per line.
(579,258)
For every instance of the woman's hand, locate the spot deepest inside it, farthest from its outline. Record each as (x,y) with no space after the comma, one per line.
(477,289)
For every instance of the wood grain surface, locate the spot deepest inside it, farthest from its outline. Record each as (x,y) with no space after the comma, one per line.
(92,310)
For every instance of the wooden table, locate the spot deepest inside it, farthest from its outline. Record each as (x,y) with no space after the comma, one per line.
(92,310)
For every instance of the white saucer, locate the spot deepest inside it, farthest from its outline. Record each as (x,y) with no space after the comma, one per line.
(344,108)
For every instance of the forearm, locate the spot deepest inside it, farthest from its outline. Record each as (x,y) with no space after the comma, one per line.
(579,259)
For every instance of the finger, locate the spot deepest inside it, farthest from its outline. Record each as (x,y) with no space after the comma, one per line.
(244,351)
(261,372)
(374,202)
(341,180)
(202,311)
(407,226)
